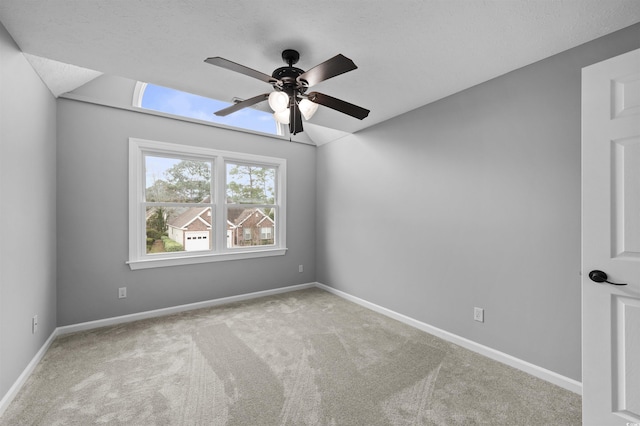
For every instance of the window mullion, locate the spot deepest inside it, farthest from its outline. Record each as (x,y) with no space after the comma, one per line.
(220,222)
(136,195)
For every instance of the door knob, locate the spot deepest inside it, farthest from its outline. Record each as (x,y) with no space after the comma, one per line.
(601,277)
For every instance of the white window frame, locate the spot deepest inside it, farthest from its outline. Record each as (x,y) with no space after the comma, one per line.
(138,257)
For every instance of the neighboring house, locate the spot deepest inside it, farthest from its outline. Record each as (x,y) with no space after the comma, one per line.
(245,227)
(192,228)
(249,227)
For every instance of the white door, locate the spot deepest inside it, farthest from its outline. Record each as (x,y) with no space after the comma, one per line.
(611,241)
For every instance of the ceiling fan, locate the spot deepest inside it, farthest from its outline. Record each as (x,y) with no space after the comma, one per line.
(289,99)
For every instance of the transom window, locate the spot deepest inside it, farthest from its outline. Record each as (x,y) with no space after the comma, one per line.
(193,205)
(176,102)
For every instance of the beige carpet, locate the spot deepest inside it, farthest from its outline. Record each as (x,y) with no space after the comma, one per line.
(301,358)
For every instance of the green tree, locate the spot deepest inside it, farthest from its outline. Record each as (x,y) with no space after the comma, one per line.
(158,220)
(248,184)
(270,212)
(189,181)
(160,191)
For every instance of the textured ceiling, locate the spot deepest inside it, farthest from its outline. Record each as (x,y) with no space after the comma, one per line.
(60,77)
(409,53)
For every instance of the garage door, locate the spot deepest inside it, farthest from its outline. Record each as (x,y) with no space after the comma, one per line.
(197,240)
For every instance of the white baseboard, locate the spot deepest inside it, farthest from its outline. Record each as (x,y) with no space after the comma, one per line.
(17,385)
(176,309)
(536,371)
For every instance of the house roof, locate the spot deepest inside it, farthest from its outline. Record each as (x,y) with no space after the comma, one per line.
(235,216)
(183,220)
(246,214)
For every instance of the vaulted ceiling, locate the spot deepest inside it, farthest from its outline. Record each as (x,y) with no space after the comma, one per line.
(408,52)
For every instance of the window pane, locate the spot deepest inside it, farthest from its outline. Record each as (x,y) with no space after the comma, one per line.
(178,229)
(177,180)
(250,227)
(250,184)
(185,104)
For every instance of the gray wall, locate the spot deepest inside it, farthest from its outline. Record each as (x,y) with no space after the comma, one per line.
(27,212)
(473,200)
(93,217)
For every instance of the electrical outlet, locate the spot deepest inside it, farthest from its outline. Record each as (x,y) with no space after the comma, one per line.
(34,324)
(478,314)
(122,293)
(300,268)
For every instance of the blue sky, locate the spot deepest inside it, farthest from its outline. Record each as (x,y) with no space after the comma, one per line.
(176,102)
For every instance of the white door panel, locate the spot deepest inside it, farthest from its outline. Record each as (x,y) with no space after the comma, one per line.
(611,241)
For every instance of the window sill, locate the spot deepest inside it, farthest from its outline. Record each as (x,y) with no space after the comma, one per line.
(206,258)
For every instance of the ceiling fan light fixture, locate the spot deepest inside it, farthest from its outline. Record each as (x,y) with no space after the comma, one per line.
(278,101)
(307,108)
(282,117)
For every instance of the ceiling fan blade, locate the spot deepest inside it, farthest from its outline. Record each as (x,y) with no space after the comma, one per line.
(242,104)
(295,119)
(338,105)
(225,63)
(337,65)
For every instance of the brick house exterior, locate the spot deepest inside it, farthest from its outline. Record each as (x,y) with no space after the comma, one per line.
(192,229)
(245,227)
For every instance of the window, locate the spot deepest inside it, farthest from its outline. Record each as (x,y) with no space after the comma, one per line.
(175,102)
(266,233)
(193,205)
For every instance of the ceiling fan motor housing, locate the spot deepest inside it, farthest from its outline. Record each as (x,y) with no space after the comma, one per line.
(287,76)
